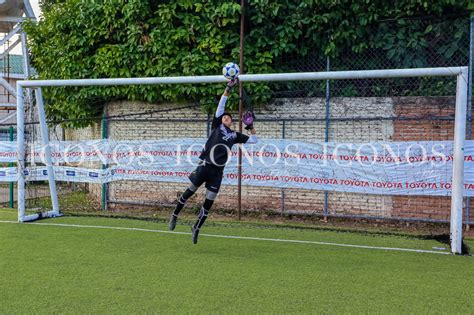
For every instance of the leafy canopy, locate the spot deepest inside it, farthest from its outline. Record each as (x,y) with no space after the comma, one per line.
(146,38)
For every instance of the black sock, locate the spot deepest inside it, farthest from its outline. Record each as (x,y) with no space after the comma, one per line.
(182,200)
(201,218)
(203,213)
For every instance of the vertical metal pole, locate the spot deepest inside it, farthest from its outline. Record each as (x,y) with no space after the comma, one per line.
(469,108)
(20,132)
(241,88)
(105,135)
(283,189)
(26,64)
(10,136)
(457,195)
(47,150)
(208,125)
(26,57)
(20,139)
(326,136)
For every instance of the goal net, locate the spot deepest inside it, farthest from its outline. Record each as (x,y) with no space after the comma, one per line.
(361,157)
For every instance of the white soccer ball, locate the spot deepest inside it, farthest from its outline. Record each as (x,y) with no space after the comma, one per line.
(231,70)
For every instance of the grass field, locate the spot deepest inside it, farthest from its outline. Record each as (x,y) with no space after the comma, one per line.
(75,266)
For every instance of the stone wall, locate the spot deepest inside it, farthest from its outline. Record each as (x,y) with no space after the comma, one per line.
(93,132)
(436,208)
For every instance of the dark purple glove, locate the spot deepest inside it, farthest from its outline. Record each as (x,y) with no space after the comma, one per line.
(230,85)
(247,118)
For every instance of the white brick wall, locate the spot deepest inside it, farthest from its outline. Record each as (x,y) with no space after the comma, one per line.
(143,127)
(91,133)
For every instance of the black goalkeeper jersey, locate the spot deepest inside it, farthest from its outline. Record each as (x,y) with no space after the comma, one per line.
(220,143)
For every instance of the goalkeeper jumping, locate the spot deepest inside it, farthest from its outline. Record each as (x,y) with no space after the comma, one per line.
(213,158)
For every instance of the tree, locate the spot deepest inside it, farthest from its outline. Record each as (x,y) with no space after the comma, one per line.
(146,38)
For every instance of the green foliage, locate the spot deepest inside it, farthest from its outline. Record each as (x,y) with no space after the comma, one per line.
(146,38)
(117,38)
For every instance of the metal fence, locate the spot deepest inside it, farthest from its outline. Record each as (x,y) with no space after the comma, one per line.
(451,47)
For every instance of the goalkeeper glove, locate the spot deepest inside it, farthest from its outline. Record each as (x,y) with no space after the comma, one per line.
(248,119)
(230,85)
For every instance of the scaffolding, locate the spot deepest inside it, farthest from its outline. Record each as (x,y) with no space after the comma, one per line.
(14,61)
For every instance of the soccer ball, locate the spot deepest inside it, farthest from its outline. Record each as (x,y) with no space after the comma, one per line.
(231,71)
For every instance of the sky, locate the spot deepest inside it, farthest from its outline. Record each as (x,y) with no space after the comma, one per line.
(35,6)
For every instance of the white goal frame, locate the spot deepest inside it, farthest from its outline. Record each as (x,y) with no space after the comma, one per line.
(459,129)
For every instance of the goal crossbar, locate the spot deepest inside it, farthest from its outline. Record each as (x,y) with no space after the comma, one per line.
(300,76)
(459,130)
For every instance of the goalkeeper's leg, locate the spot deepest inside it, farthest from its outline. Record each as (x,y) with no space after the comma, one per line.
(210,197)
(181,202)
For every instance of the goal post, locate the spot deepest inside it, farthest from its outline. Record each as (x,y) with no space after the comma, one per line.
(457,193)
(458,161)
(22,217)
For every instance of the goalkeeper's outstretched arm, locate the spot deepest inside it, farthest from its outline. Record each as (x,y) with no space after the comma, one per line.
(221,107)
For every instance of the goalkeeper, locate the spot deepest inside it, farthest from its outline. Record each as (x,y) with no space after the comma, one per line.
(213,158)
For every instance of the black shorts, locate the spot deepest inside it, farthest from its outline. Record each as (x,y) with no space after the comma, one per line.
(209,174)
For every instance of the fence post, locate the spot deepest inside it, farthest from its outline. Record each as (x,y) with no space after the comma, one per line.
(469,106)
(283,189)
(208,125)
(241,90)
(104,128)
(10,136)
(326,136)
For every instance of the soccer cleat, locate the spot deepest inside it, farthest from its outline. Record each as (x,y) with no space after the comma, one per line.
(172,223)
(195,232)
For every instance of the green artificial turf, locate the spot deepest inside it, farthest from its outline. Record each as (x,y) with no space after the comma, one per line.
(64,269)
